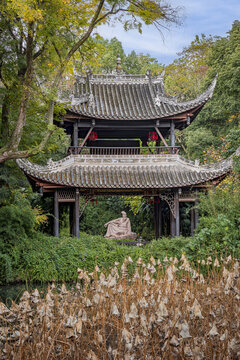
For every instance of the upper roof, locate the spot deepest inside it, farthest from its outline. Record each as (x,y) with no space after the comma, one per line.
(129,97)
(124,172)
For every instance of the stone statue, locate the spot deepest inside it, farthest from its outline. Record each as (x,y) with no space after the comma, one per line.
(120,229)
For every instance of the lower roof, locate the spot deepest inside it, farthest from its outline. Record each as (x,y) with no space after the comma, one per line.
(125,172)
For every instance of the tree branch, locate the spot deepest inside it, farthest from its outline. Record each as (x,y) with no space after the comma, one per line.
(57,51)
(88,32)
(40,51)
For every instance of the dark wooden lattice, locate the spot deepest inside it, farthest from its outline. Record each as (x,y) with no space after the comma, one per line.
(66,195)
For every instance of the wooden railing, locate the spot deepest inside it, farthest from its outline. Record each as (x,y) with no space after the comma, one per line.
(102,151)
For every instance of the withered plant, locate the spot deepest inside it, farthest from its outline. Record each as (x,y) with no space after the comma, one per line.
(165,311)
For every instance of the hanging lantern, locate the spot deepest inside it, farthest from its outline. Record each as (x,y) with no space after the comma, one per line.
(152,135)
(93,136)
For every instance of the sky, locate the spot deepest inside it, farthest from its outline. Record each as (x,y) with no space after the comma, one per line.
(213,17)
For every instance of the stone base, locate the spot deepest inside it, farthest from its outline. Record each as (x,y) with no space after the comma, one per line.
(132,236)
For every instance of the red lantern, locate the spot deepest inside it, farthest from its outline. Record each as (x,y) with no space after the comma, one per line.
(152,135)
(93,136)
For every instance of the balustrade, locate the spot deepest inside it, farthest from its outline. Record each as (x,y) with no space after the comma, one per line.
(118,151)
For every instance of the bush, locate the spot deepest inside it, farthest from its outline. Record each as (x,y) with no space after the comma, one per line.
(16,223)
(219,227)
(43,258)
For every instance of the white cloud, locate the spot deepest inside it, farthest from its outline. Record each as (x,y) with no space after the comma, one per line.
(201,16)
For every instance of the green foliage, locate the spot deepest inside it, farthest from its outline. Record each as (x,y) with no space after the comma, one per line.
(197,140)
(224,60)
(185,76)
(100,211)
(17,220)
(132,63)
(170,247)
(44,258)
(219,228)
(6,272)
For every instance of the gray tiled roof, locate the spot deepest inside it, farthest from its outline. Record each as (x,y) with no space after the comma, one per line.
(123,172)
(129,97)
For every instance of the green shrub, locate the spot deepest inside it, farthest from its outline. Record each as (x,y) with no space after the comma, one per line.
(44,258)
(15,223)
(6,272)
(219,227)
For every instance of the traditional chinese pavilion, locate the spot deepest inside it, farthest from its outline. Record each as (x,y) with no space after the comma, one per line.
(116,116)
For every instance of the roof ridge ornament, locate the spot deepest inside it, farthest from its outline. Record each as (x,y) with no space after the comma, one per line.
(149,73)
(164,99)
(119,64)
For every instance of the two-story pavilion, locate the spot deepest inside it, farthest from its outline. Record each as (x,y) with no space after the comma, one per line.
(115,116)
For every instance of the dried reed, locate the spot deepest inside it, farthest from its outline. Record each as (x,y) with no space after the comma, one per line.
(165,311)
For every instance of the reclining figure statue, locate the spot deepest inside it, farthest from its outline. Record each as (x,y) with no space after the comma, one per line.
(120,228)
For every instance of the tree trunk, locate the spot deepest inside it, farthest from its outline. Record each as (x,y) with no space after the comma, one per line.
(17,134)
(4,133)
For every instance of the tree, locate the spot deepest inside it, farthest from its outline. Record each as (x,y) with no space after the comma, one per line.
(185,76)
(140,63)
(224,60)
(42,39)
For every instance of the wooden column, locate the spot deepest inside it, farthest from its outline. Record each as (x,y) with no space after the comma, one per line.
(71,219)
(172,225)
(157,217)
(75,134)
(76,214)
(192,219)
(172,133)
(196,214)
(160,219)
(56,214)
(155,208)
(176,199)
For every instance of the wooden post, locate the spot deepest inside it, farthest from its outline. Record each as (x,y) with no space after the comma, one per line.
(71,219)
(196,214)
(75,136)
(192,217)
(172,225)
(176,198)
(172,133)
(155,207)
(158,217)
(56,214)
(76,214)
